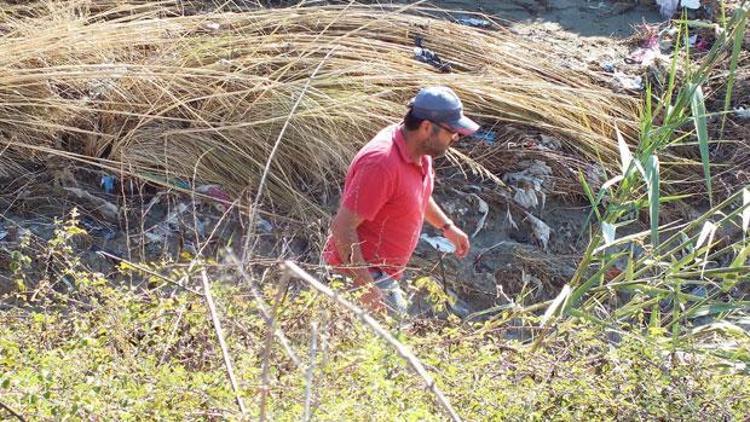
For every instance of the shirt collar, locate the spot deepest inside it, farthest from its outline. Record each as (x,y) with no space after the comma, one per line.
(400,142)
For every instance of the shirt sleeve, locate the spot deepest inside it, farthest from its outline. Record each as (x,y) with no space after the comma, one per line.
(368,188)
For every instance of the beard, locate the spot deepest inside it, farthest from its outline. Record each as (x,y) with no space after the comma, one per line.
(435,149)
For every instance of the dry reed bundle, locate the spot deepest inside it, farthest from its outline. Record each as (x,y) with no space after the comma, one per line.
(206,95)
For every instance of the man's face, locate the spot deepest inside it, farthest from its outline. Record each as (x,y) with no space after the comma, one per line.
(440,138)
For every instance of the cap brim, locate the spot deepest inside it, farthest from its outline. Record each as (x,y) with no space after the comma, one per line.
(464,126)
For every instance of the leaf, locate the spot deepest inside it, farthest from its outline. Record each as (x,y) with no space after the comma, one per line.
(746,210)
(608,232)
(652,182)
(698,108)
(707,231)
(556,304)
(626,158)
(736,47)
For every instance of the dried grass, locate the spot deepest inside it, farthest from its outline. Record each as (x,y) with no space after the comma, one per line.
(206,94)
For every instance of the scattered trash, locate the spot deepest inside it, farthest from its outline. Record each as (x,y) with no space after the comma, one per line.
(475,22)
(667,7)
(647,54)
(485,135)
(211,26)
(691,4)
(217,193)
(742,112)
(264,225)
(548,143)
(631,82)
(106,208)
(699,291)
(526,198)
(510,220)
(174,182)
(439,243)
(3,231)
(608,67)
(541,230)
(428,56)
(529,183)
(484,209)
(108,183)
(703,44)
(97,230)
(160,232)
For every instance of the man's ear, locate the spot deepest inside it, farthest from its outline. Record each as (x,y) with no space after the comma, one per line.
(425,127)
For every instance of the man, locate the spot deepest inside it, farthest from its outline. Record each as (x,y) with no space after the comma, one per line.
(388,194)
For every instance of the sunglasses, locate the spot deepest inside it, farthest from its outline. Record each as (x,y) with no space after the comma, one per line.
(454,135)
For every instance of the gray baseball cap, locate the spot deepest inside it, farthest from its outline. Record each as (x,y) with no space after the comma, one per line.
(440,104)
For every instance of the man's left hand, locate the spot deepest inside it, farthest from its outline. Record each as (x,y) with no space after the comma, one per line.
(459,239)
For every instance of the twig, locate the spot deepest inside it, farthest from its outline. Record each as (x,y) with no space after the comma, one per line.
(311,371)
(147,271)
(368,320)
(12,412)
(267,348)
(264,311)
(222,344)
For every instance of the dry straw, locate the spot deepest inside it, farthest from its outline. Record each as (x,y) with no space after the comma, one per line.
(168,93)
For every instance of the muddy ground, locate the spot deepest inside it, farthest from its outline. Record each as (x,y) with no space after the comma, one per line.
(518,253)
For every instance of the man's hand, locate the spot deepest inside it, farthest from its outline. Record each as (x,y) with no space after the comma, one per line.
(372,299)
(459,239)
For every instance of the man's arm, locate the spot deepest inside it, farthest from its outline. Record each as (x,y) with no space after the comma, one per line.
(438,219)
(347,243)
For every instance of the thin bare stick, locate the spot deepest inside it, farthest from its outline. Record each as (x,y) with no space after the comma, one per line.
(311,370)
(368,320)
(261,184)
(264,310)
(267,348)
(222,343)
(12,412)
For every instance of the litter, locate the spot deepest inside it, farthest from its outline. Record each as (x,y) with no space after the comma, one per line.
(484,209)
(691,4)
(485,135)
(107,183)
(264,225)
(3,231)
(162,231)
(647,54)
(428,56)
(667,7)
(216,193)
(106,208)
(541,230)
(548,143)
(631,82)
(608,67)
(439,243)
(97,230)
(742,112)
(529,183)
(475,22)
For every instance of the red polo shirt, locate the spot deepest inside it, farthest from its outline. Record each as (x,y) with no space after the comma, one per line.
(391,193)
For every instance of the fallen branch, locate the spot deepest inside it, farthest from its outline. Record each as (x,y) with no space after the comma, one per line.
(368,320)
(12,412)
(222,344)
